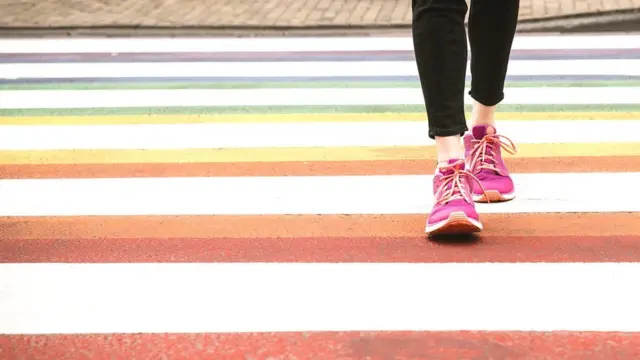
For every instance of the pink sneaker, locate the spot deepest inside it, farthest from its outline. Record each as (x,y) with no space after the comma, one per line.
(454,210)
(482,151)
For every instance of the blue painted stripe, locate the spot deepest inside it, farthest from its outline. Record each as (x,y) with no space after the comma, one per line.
(600,54)
(199,80)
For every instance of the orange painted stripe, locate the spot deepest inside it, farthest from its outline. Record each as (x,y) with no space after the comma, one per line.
(311,168)
(440,345)
(317,238)
(250,155)
(102,228)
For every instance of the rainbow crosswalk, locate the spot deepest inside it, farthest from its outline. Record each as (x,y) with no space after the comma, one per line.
(265,198)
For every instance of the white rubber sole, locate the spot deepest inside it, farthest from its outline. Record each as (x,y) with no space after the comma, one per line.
(493,196)
(457,223)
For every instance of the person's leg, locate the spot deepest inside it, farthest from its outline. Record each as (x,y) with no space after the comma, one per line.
(440,45)
(492,25)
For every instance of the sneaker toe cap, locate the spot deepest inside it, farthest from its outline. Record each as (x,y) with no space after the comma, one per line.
(441,213)
(502,184)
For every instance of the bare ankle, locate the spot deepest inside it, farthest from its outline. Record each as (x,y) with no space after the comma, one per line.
(483,115)
(448,147)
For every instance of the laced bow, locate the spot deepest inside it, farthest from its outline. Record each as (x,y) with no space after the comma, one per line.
(485,149)
(451,185)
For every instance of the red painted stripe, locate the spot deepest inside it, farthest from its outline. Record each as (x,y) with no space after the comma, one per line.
(303,226)
(335,345)
(414,249)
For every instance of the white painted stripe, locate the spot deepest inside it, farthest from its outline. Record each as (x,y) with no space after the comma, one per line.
(247,135)
(274,44)
(400,194)
(299,69)
(56,99)
(213,298)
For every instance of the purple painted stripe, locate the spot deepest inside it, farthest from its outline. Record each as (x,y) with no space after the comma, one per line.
(204,79)
(574,54)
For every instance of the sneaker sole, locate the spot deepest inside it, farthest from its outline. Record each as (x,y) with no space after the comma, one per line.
(456,223)
(493,196)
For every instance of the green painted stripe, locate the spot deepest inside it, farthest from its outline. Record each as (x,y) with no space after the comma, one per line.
(288,85)
(302,110)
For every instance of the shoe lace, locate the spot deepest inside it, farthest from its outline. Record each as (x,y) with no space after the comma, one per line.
(482,155)
(451,184)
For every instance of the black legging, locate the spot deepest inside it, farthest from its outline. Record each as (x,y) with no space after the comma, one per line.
(440,45)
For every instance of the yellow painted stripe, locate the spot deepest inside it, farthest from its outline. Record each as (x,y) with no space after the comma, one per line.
(291,118)
(294,154)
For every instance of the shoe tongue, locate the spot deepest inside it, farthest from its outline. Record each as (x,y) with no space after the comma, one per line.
(480,131)
(453,165)
(451,169)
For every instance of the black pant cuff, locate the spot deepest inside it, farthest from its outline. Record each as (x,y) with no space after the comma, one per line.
(487,99)
(452,131)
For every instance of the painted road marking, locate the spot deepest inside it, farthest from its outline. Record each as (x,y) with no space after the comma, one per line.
(301,109)
(298,118)
(389,194)
(567,164)
(197,136)
(444,345)
(265,69)
(375,55)
(297,44)
(34,99)
(234,209)
(360,153)
(500,228)
(250,297)
(494,247)
(297,83)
